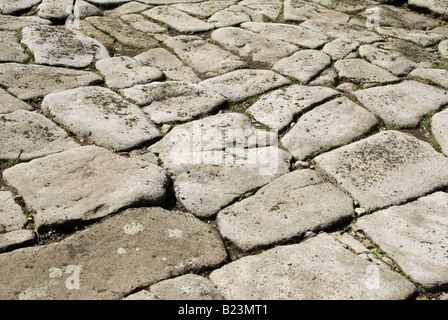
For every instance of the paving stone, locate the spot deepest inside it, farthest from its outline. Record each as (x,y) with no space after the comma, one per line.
(92,32)
(208,157)
(109,3)
(318,269)
(16,6)
(437,76)
(403,105)
(95,255)
(414,235)
(169,64)
(34,81)
(129,7)
(440,30)
(303,65)
(288,33)
(344,5)
(139,22)
(235,15)
(286,208)
(278,108)
(124,33)
(361,71)
(386,169)
(443,49)
(178,20)
(269,8)
(9,103)
(327,126)
(12,23)
(350,242)
(204,9)
(169,101)
(59,46)
(420,37)
(204,57)
(16,239)
(83,184)
(186,287)
(33,135)
(439,7)
(394,61)
(340,48)
(439,127)
(158,2)
(55,9)
(298,10)
(328,77)
(11,215)
(253,45)
(123,72)
(101,116)
(239,85)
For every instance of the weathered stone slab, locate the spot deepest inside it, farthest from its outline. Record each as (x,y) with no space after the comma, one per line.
(55,9)
(31,135)
(414,235)
(169,64)
(204,9)
(303,65)
(327,126)
(16,6)
(124,33)
(443,49)
(127,8)
(253,45)
(12,23)
(102,116)
(204,57)
(319,268)
(11,215)
(361,71)
(436,76)
(404,104)
(139,22)
(16,239)
(435,6)
(439,127)
(269,8)
(11,51)
(154,243)
(239,85)
(186,287)
(286,208)
(92,32)
(174,100)
(420,37)
(344,5)
(235,15)
(123,72)
(288,33)
(340,48)
(298,10)
(386,169)
(59,46)
(178,20)
(83,184)
(278,108)
(33,81)
(208,159)
(9,103)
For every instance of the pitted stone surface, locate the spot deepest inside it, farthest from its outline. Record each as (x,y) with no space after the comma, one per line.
(13,23)
(359,70)
(11,215)
(11,51)
(16,6)
(439,127)
(9,103)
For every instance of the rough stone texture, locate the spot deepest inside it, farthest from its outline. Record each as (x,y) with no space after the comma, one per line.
(420,37)
(83,184)
(16,6)
(359,70)
(303,65)
(15,239)
(443,49)
(139,22)
(174,100)
(11,51)
(55,9)
(340,48)
(439,127)
(206,58)
(286,208)
(435,6)
(123,72)
(239,85)
(385,169)
(13,23)
(136,239)
(127,8)
(186,287)
(235,15)
(403,105)
(330,125)
(414,235)
(9,103)
(436,76)
(277,109)
(317,269)
(11,215)
(204,9)
(253,45)
(102,116)
(31,135)
(298,10)
(33,81)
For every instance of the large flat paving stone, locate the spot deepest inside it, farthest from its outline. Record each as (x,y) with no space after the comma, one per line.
(414,235)
(12,23)
(15,239)
(385,169)
(204,57)
(16,6)
(299,10)
(235,15)
(102,116)
(204,9)
(94,264)
(241,84)
(85,183)
(439,127)
(171,101)
(328,126)
(318,269)
(420,37)
(436,76)
(11,51)
(59,46)
(54,9)
(403,105)
(361,71)
(278,108)
(139,22)
(285,209)
(11,215)
(9,103)
(30,135)
(439,7)
(253,45)
(340,48)
(34,81)
(178,20)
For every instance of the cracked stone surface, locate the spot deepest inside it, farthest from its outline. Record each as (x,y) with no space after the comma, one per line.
(223,149)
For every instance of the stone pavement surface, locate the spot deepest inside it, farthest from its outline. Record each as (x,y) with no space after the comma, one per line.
(223,149)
